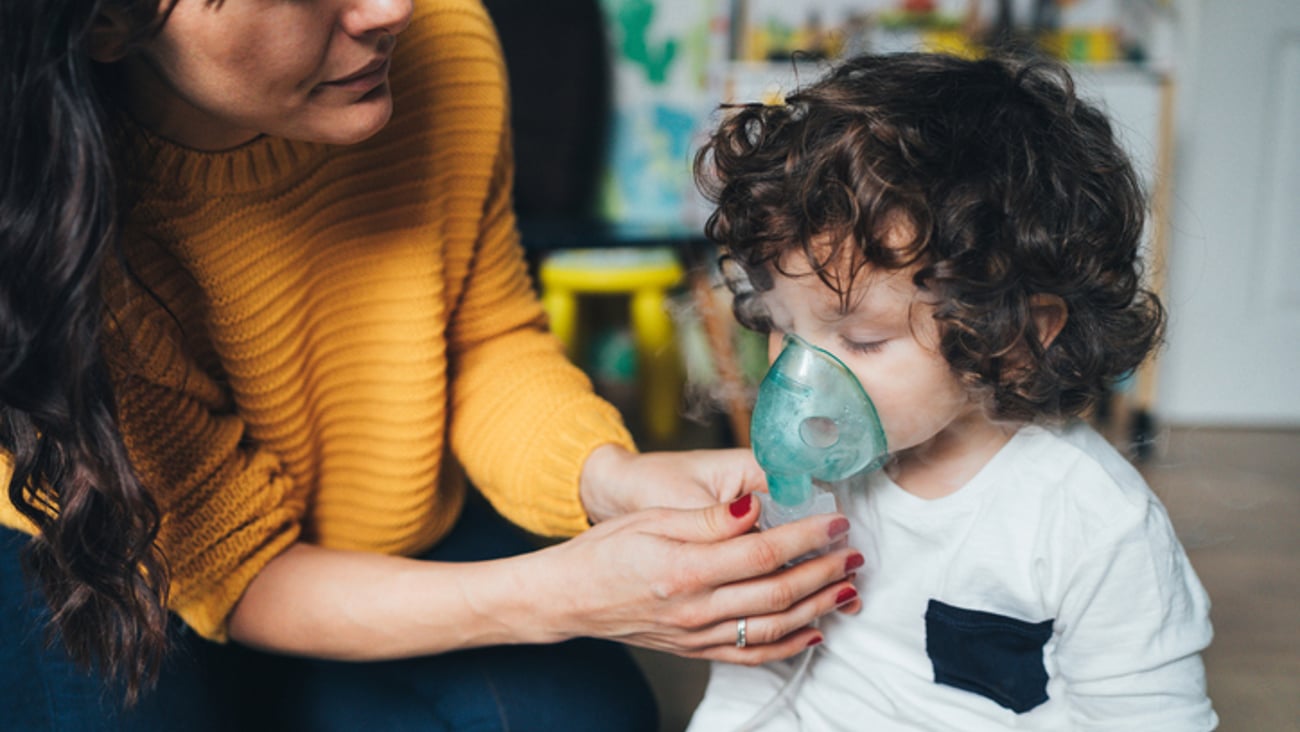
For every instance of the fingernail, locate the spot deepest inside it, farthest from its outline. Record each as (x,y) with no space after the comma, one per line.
(740,506)
(839,527)
(814,642)
(853,562)
(846,594)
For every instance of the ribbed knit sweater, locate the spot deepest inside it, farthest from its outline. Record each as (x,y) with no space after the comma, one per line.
(327,335)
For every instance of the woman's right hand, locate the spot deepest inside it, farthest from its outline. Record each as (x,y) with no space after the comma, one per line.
(679,580)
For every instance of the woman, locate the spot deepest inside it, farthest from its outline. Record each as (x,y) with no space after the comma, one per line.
(256,333)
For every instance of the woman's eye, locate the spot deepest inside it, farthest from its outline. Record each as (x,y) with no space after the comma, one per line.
(862,346)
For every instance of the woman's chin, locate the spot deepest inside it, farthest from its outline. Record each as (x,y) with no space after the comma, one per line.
(357,122)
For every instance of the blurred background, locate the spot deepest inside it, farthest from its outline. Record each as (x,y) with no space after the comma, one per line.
(612,97)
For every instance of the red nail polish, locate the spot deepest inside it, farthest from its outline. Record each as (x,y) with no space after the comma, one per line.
(846,594)
(814,642)
(839,527)
(853,562)
(740,506)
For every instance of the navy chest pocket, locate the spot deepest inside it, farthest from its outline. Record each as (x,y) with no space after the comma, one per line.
(992,655)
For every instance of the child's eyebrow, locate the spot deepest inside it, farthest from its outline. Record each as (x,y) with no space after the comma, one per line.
(856,312)
(872,307)
(836,313)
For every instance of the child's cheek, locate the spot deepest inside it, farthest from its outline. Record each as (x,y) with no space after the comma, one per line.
(775,342)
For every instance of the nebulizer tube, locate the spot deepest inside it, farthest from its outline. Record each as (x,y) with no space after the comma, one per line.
(812,423)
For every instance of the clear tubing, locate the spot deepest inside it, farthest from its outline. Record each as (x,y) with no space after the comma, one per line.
(791,684)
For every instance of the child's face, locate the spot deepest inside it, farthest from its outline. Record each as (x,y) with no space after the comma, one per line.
(888,338)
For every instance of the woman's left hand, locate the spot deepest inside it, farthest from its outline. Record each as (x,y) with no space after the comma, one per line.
(616,481)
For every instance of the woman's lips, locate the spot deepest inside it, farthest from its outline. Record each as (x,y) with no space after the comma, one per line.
(364,80)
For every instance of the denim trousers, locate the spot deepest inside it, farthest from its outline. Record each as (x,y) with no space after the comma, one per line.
(575,686)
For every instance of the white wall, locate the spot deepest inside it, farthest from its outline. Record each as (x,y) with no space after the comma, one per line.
(1234,262)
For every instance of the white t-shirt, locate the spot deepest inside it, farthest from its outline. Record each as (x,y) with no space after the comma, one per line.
(1049,593)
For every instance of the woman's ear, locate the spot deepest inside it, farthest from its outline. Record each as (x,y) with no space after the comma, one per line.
(1049,313)
(109,36)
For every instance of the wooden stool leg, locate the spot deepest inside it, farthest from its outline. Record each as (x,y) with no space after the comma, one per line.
(561,308)
(652,329)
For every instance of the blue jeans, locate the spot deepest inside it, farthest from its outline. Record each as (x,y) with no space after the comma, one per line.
(207,687)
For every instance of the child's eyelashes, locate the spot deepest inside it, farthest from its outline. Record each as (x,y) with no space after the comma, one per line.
(861,346)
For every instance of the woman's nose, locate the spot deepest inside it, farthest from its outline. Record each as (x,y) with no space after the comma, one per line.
(365,17)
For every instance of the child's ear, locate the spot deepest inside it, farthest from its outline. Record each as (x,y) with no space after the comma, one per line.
(1049,313)
(109,36)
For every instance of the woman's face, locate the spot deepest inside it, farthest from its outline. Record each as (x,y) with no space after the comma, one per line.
(220,74)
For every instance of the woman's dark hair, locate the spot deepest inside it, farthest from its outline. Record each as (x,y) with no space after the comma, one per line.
(94,557)
(1007,185)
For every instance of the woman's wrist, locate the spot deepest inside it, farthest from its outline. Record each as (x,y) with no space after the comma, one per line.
(602,485)
(514,600)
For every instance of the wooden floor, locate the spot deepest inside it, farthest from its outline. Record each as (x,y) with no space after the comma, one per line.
(1234,497)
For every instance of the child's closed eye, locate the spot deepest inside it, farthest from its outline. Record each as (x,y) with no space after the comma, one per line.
(862,346)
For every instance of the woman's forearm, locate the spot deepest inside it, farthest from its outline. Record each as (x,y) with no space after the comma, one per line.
(349,605)
(671,580)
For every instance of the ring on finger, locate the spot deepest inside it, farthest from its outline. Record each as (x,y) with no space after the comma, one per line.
(741,627)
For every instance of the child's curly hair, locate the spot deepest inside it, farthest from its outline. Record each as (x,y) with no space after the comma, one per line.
(1009,184)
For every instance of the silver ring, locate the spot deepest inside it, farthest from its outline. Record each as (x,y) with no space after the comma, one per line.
(741,642)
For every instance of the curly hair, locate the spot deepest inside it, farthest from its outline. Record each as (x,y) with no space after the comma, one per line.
(1007,186)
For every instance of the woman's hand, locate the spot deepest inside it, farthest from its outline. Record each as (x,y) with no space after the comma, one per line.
(679,580)
(616,482)
(670,579)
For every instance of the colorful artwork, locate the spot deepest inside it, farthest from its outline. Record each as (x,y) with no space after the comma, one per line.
(673,64)
(663,53)
(633,18)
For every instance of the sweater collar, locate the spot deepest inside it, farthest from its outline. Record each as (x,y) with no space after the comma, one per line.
(255,165)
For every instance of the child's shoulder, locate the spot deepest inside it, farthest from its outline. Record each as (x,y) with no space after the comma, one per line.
(1074,472)
(1075,446)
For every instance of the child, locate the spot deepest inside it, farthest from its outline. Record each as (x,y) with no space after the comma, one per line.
(964,236)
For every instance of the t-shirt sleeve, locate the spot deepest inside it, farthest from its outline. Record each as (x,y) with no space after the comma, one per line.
(1132,625)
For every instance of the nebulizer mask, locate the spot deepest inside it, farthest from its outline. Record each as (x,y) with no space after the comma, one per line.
(812,421)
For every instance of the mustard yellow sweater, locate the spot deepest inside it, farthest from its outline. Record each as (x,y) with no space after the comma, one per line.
(333,332)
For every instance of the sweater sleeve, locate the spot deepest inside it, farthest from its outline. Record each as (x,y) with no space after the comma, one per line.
(227,508)
(524,419)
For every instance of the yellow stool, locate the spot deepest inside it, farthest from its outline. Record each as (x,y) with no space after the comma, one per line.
(645,274)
